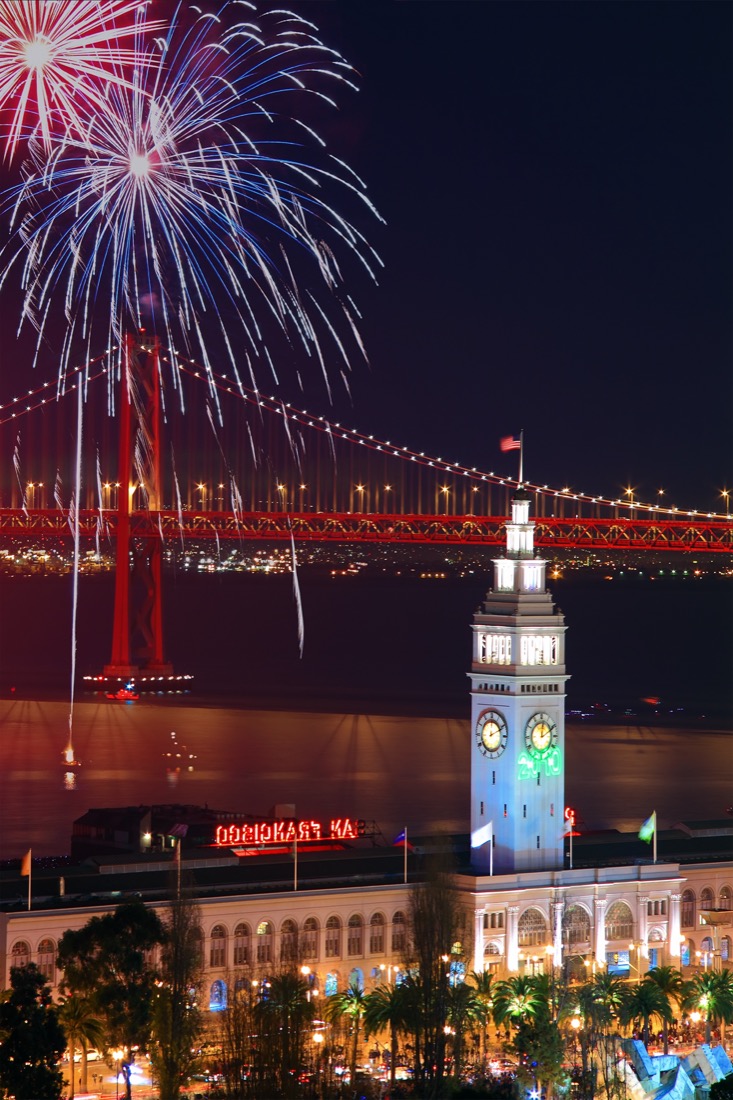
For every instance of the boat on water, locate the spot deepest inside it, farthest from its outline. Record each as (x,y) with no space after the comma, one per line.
(125,694)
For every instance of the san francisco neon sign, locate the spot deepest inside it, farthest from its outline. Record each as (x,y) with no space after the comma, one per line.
(287,831)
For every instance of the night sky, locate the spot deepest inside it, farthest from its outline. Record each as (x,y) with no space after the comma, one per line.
(556,185)
(556,182)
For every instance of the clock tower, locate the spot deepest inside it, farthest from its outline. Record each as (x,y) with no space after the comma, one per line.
(518,712)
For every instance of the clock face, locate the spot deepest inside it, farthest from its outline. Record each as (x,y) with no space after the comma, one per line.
(540,735)
(491,733)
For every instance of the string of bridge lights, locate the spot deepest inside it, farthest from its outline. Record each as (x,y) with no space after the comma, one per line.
(38,397)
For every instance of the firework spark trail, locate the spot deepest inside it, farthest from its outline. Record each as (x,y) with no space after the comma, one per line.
(53,57)
(100,517)
(74,520)
(296,593)
(193,203)
(19,479)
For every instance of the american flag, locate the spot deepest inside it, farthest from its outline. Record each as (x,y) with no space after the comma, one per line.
(509,443)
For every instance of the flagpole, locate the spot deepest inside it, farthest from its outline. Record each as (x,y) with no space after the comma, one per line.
(178,868)
(405,853)
(521,457)
(655,837)
(491,849)
(295,864)
(571,845)
(30,869)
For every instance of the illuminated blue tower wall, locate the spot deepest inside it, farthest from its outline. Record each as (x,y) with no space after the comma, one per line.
(518,713)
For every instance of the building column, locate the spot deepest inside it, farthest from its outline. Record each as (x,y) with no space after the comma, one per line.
(643,926)
(512,938)
(600,931)
(557,907)
(478,940)
(674,928)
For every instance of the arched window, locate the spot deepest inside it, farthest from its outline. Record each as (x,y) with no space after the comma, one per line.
(656,936)
(288,941)
(151,957)
(707,945)
(241,944)
(619,922)
(685,950)
(355,935)
(218,947)
(309,939)
(575,926)
(218,996)
(399,934)
(532,928)
(333,938)
(331,984)
(725,899)
(687,914)
(264,942)
(492,956)
(707,898)
(47,960)
(725,948)
(21,954)
(376,935)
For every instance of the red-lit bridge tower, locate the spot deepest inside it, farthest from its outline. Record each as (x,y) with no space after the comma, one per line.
(137,631)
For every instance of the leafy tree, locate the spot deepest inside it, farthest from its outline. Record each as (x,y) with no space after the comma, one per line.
(483,983)
(33,1039)
(350,1005)
(177,1020)
(106,961)
(83,1029)
(722,1090)
(540,1051)
(388,1006)
(672,985)
(236,1028)
(438,927)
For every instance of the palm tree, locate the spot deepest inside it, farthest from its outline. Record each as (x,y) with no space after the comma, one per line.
(83,1028)
(387,1007)
(284,1016)
(670,981)
(712,994)
(465,1007)
(641,1003)
(483,982)
(515,998)
(350,1004)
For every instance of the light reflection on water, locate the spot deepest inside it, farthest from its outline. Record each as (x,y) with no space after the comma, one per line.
(398,771)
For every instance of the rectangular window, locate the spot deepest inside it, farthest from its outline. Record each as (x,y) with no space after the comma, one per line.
(493,779)
(505,813)
(524,811)
(482,809)
(538,842)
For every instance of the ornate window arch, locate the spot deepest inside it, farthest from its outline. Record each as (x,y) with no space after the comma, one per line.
(47,960)
(725,948)
(725,898)
(399,933)
(576,926)
(309,938)
(707,898)
(288,940)
(355,935)
(264,942)
(331,984)
(656,935)
(376,934)
(218,947)
(532,928)
(687,909)
(242,936)
(333,938)
(619,922)
(492,955)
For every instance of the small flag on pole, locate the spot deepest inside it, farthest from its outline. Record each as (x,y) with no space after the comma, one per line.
(401,840)
(510,443)
(648,828)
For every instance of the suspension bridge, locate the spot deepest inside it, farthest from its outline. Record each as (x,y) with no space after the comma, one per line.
(264,470)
